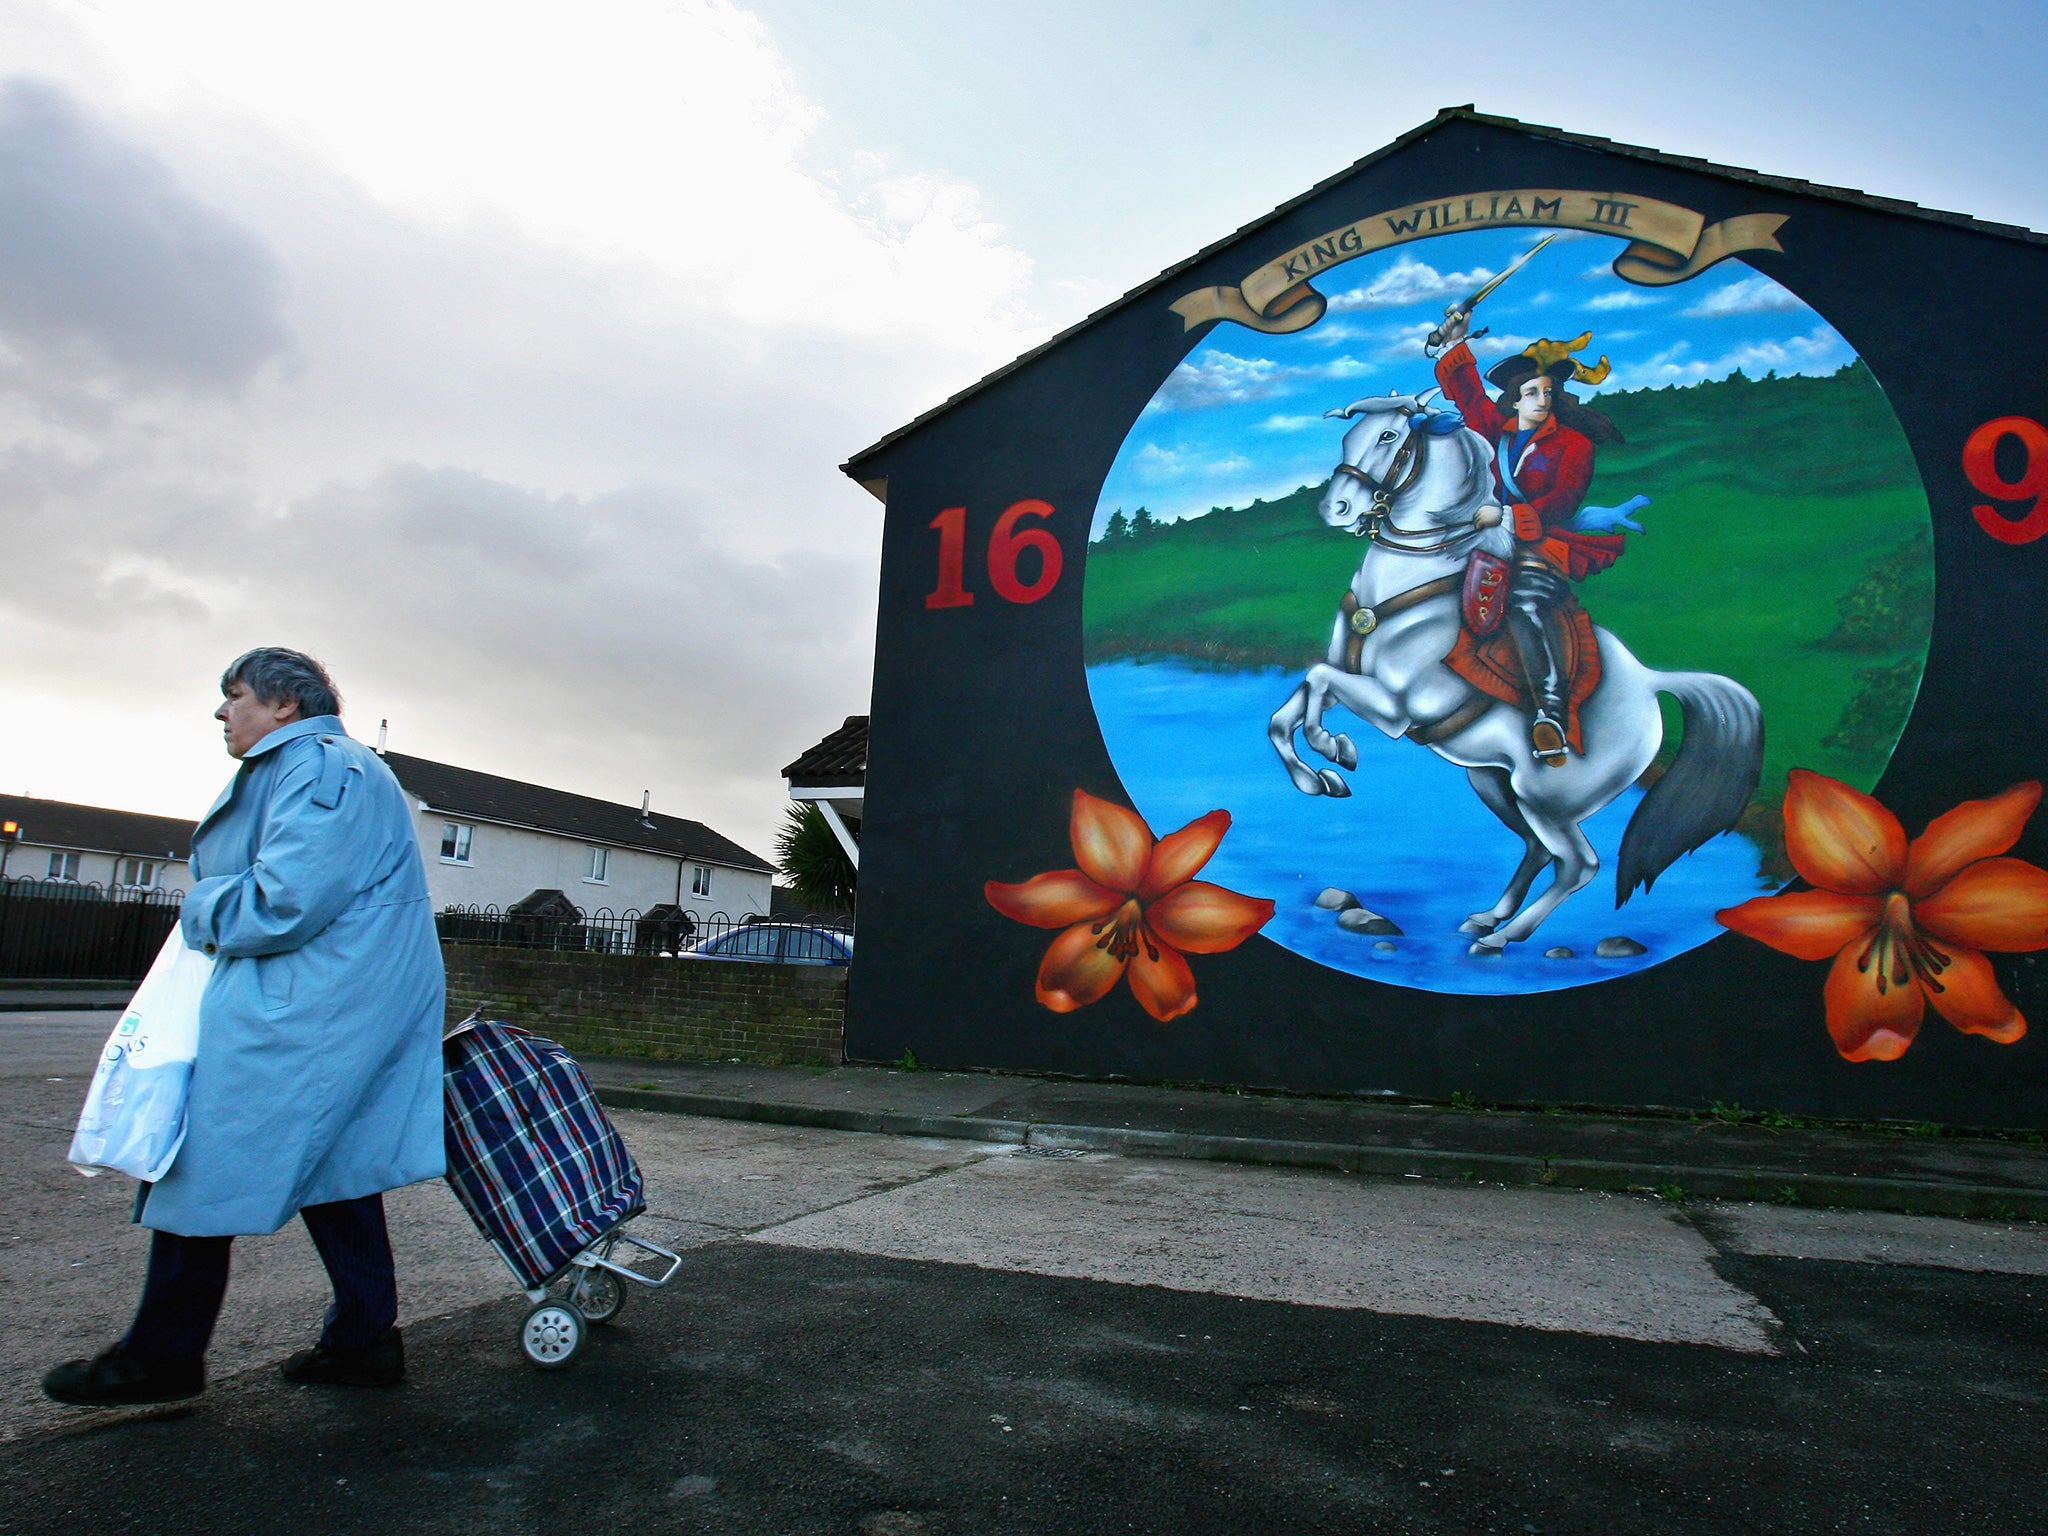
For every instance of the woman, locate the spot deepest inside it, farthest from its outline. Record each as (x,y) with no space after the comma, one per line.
(318,1080)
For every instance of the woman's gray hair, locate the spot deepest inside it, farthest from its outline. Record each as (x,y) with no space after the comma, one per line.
(274,674)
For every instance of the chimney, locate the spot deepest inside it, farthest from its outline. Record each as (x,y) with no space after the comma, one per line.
(383,729)
(646,799)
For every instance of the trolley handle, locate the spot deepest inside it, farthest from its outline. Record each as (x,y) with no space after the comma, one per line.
(590,1258)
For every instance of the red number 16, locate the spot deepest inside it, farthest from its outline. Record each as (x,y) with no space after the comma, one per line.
(1980,463)
(1006,546)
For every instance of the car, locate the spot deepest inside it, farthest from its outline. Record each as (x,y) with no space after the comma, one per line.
(777,943)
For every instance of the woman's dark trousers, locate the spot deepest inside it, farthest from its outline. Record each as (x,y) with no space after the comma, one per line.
(188,1276)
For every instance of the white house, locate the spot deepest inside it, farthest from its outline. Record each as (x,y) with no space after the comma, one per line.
(490,842)
(92,845)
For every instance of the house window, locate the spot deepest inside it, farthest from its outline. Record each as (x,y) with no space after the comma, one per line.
(140,873)
(455,842)
(63,866)
(700,880)
(599,859)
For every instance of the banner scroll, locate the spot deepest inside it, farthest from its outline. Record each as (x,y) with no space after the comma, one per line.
(1667,244)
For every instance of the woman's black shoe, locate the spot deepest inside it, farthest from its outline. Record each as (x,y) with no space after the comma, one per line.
(378,1364)
(114,1377)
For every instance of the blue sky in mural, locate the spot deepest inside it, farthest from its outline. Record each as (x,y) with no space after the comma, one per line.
(1242,417)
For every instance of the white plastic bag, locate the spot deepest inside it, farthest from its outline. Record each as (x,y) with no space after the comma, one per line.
(134,1116)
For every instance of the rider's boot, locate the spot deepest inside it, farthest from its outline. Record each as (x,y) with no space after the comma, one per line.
(1532,619)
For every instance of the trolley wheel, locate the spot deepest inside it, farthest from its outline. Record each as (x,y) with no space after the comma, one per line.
(598,1294)
(551,1335)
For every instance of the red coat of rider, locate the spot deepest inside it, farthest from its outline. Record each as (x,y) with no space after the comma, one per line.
(1555,467)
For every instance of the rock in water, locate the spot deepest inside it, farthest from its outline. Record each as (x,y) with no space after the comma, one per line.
(1619,948)
(1358,920)
(1334,900)
(1562,952)
(1386,948)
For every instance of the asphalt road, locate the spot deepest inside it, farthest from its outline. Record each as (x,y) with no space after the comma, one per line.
(891,1336)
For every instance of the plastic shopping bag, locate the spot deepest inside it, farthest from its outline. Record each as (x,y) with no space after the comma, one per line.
(134,1116)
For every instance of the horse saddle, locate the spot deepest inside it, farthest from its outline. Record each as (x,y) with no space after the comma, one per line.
(1484,601)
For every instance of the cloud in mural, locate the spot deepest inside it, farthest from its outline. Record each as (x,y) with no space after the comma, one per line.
(1221,378)
(1409,281)
(1747,296)
(1624,299)
(1818,351)
(1224,379)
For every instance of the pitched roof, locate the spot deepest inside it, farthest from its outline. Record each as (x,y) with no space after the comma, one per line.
(840,760)
(95,829)
(465,792)
(854,466)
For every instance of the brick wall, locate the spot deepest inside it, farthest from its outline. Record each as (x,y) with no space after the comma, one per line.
(642,1005)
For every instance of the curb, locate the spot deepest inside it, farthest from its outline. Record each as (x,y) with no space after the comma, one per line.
(1917,1197)
(65,1005)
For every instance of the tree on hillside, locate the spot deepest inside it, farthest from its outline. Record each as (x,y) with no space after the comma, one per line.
(1143,523)
(1118,527)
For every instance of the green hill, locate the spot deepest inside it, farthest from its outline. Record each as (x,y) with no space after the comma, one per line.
(1787,547)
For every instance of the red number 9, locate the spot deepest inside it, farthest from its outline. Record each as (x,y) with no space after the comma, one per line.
(1980,463)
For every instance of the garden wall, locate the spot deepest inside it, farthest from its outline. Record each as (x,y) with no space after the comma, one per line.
(639,1005)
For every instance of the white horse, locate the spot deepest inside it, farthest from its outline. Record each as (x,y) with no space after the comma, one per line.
(1419,485)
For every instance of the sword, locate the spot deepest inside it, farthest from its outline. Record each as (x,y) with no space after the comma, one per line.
(1436,337)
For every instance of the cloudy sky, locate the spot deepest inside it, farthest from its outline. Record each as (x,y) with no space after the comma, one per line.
(502,355)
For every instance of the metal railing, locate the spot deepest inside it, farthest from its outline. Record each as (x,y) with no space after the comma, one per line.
(657,932)
(60,929)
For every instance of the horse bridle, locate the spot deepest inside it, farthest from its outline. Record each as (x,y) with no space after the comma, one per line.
(1377,521)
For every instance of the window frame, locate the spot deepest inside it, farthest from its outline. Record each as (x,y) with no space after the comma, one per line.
(63,866)
(700,879)
(137,874)
(597,867)
(461,835)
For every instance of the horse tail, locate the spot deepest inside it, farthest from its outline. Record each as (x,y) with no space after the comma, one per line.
(1708,784)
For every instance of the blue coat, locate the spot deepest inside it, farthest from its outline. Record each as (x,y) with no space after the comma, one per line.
(319,1068)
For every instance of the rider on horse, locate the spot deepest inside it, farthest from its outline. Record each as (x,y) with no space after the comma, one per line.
(1543,461)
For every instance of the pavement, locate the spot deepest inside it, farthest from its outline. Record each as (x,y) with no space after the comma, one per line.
(913,1335)
(1934,1174)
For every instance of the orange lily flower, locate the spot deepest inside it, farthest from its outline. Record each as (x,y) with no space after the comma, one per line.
(1905,925)
(1133,905)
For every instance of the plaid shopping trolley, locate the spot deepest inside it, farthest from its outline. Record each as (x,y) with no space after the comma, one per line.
(546,1178)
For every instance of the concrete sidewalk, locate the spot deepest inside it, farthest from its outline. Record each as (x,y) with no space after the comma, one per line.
(1933,1174)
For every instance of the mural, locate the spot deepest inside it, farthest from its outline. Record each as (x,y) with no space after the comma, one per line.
(1496,585)
(1545,645)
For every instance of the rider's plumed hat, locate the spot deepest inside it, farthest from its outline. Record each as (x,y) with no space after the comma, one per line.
(1549,357)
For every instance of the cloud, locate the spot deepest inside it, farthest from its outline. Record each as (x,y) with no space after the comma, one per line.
(1212,379)
(1500,345)
(1409,281)
(1627,298)
(562,506)
(1154,463)
(1746,296)
(1221,378)
(1290,423)
(102,250)
(1819,351)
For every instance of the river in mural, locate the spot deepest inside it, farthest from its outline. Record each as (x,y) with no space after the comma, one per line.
(1187,740)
